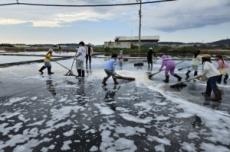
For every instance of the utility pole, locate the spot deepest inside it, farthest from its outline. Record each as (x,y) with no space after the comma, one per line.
(139,46)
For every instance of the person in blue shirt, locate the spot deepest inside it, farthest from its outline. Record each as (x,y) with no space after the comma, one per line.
(110,69)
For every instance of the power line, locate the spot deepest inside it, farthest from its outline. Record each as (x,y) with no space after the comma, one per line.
(95,5)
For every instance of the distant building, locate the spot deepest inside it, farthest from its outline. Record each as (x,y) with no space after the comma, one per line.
(21,45)
(128,41)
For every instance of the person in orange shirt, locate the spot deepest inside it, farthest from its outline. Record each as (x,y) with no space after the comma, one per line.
(47,62)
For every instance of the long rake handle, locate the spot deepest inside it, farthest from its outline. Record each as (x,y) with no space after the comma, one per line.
(184,68)
(72,63)
(62,65)
(186,80)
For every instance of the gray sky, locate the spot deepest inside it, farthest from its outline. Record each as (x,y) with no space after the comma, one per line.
(182,20)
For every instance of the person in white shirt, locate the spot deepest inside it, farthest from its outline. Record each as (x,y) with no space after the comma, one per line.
(80,58)
(210,71)
(194,66)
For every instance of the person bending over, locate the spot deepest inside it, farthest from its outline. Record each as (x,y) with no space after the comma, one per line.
(110,69)
(210,71)
(170,67)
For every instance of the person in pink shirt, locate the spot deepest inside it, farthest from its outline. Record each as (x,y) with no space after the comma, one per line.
(170,67)
(223,68)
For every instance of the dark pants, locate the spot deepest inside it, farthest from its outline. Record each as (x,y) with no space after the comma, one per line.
(212,83)
(150,60)
(88,57)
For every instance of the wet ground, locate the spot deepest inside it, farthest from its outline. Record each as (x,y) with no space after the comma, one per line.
(62,113)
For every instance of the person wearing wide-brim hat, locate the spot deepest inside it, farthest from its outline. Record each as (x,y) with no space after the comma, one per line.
(89,53)
(210,71)
(47,62)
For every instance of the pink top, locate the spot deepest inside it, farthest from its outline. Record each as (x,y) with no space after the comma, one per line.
(222,64)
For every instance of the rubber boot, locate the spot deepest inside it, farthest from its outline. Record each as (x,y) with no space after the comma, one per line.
(195,73)
(115,81)
(79,73)
(207,92)
(225,78)
(104,81)
(49,71)
(82,73)
(41,70)
(187,74)
(217,96)
(178,77)
(166,79)
(219,79)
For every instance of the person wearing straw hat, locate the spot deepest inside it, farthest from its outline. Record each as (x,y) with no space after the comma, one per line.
(80,57)
(223,68)
(195,62)
(89,53)
(170,67)
(210,71)
(47,62)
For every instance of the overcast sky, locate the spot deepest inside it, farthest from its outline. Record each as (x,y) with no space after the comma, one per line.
(181,20)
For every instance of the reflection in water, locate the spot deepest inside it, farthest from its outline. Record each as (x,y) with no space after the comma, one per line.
(110,96)
(213,105)
(51,87)
(81,92)
(197,122)
(150,68)
(88,69)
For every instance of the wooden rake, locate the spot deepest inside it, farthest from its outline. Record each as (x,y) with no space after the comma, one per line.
(124,78)
(182,84)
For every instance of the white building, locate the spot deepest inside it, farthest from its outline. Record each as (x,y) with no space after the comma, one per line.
(127,41)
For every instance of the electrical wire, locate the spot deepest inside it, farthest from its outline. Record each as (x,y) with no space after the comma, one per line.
(98,5)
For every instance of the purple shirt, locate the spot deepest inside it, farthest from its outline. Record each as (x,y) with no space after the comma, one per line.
(167,62)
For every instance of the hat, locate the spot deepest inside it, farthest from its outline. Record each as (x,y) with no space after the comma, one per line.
(164,56)
(206,56)
(150,48)
(50,50)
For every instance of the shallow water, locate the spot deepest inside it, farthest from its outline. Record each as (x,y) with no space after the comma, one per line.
(65,113)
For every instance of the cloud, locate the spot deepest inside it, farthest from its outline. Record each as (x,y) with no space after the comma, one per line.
(167,16)
(186,14)
(11,21)
(59,16)
(46,23)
